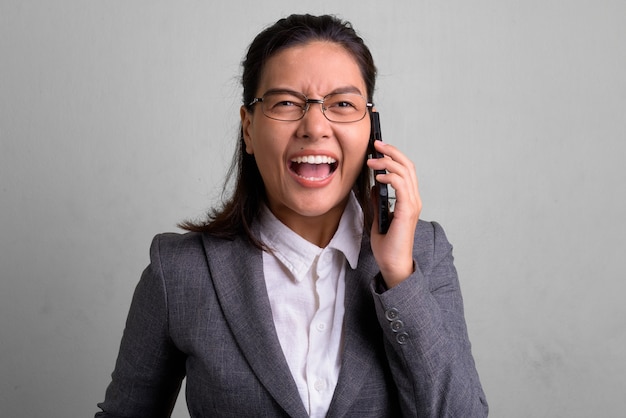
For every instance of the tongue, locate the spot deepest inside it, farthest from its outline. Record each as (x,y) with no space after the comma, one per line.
(317,171)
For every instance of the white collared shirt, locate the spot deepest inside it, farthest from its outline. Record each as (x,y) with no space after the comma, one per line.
(306,287)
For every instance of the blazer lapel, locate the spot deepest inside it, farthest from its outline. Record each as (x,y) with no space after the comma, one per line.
(360,328)
(237,273)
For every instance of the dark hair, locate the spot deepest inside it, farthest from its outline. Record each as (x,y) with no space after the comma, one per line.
(238,212)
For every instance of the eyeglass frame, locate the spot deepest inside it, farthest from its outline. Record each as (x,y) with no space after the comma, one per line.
(308,102)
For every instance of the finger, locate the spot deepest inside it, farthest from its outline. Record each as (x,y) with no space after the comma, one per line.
(399,176)
(401,163)
(407,200)
(393,152)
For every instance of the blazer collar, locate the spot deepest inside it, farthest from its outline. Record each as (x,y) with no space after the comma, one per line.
(237,273)
(361,332)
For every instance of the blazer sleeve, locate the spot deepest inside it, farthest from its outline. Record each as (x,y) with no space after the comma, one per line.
(425,334)
(149,368)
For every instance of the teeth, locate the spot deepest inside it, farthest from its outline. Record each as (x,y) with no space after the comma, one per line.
(314,159)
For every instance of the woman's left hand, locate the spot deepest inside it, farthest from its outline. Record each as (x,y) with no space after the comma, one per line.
(393,251)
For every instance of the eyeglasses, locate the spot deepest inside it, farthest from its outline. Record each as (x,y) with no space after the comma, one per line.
(290,106)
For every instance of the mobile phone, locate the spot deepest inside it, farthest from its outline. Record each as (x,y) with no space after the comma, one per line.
(381,188)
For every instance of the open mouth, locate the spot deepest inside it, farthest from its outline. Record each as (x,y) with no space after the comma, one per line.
(313,167)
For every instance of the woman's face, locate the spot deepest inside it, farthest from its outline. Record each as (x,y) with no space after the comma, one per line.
(298,191)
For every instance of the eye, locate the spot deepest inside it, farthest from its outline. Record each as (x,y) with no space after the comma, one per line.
(284,101)
(344,104)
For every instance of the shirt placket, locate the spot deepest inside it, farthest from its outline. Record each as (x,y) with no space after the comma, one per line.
(320,330)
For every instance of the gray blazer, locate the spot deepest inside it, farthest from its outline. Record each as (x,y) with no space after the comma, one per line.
(201,310)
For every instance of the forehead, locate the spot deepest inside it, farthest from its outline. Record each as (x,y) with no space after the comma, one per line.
(315,69)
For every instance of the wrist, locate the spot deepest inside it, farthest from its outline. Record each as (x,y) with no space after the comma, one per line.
(394,278)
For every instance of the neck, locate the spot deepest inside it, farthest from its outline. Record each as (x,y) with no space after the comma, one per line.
(318,230)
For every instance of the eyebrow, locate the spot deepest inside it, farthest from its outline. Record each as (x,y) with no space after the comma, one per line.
(347,89)
(278,90)
(344,89)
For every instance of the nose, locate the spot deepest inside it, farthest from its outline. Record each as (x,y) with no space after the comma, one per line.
(314,124)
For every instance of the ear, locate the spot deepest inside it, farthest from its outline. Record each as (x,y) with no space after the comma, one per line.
(246,124)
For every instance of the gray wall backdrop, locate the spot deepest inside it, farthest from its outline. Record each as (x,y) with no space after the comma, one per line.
(118,119)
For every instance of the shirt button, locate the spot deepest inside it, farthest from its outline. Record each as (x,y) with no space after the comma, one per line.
(391,314)
(321,327)
(319,385)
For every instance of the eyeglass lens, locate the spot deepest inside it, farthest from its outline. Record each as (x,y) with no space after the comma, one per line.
(338,107)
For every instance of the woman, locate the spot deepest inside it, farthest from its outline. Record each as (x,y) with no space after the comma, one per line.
(286,301)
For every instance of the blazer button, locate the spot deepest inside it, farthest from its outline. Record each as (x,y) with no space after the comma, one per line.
(396,325)
(391,314)
(402,338)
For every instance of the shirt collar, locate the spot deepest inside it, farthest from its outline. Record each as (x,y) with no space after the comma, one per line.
(349,233)
(298,254)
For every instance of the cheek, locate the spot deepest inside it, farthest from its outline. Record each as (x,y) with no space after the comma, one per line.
(268,159)
(265,160)
(263,143)
(357,150)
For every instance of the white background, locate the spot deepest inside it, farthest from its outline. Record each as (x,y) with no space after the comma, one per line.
(118,120)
